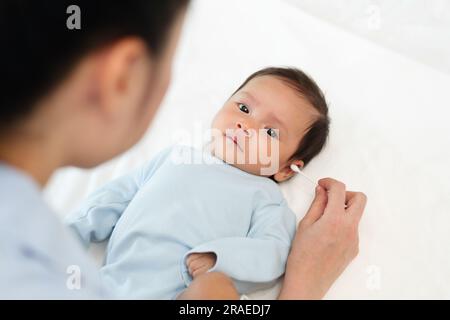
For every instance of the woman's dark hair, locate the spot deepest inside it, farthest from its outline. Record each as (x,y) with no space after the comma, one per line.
(39,50)
(316,136)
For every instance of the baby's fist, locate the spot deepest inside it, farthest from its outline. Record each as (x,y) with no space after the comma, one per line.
(199,263)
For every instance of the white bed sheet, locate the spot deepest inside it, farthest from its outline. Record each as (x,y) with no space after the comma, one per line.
(390,135)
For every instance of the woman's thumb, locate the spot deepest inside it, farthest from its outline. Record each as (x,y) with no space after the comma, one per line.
(317,206)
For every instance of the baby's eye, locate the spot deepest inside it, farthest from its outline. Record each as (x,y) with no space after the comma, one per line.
(243,108)
(271,132)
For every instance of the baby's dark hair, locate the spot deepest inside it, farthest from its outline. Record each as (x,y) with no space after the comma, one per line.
(316,135)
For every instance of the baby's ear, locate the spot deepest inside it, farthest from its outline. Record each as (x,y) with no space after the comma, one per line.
(286,172)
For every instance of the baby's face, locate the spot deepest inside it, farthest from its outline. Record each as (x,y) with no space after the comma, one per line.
(260,126)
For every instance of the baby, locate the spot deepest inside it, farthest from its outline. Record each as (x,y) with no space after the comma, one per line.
(222,210)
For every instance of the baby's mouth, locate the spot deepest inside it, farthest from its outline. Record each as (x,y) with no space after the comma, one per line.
(234,139)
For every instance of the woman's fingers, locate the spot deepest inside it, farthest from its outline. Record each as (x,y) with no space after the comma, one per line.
(336,195)
(356,202)
(342,201)
(325,247)
(317,206)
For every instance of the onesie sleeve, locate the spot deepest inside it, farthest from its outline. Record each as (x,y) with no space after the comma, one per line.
(258,258)
(97,216)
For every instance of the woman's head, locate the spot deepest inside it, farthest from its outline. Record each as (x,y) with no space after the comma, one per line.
(98,86)
(278,114)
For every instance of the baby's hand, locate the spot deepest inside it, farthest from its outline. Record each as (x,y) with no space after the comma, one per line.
(199,263)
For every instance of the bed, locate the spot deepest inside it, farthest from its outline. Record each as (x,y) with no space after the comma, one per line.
(390,136)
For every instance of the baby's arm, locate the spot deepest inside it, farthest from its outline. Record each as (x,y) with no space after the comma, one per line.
(258,258)
(99,213)
(97,216)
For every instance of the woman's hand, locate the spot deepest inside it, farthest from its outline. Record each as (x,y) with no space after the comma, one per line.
(325,243)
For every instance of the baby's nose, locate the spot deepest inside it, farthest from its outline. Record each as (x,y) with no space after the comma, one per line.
(242,127)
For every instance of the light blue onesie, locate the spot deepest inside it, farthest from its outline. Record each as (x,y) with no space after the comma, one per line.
(170,208)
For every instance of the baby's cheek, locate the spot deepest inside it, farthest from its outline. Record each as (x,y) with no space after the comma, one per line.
(218,120)
(264,152)
(271,147)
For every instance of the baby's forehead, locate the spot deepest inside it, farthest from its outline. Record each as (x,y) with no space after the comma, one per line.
(279,97)
(274,91)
